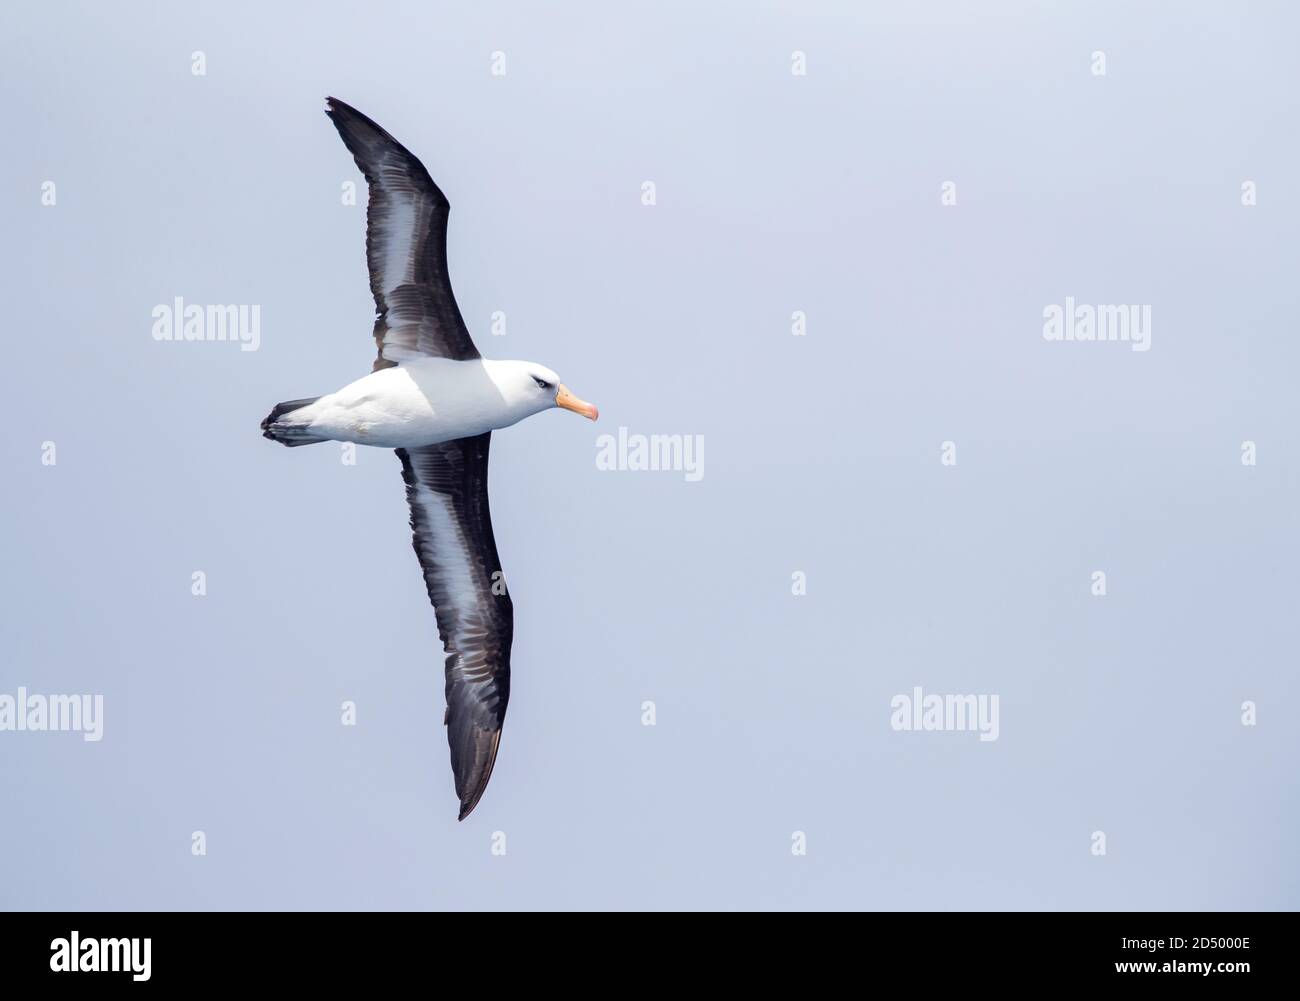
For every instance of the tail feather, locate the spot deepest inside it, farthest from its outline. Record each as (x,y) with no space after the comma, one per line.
(280,426)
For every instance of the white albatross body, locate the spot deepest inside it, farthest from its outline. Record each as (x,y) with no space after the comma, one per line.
(427,401)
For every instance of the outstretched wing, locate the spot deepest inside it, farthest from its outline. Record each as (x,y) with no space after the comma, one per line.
(406,247)
(446,486)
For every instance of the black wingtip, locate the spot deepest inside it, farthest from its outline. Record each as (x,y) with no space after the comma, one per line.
(472,796)
(338,111)
(472,783)
(342,114)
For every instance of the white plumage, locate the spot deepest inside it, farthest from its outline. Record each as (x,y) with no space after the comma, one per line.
(430,400)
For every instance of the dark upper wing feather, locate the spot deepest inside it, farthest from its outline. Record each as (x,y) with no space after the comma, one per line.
(406,247)
(446,487)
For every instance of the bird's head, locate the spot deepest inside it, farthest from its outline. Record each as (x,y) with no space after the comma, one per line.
(538,388)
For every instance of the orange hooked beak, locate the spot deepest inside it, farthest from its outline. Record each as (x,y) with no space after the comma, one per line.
(565,399)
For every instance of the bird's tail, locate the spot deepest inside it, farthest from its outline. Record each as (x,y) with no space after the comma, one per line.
(280,424)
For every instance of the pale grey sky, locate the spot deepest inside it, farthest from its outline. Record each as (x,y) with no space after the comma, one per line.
(775,193)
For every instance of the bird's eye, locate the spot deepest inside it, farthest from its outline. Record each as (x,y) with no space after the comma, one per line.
(541,383)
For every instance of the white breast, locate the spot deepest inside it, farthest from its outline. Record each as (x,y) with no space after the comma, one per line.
(420,402)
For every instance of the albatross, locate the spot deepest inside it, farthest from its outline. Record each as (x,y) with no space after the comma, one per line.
(431,396)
